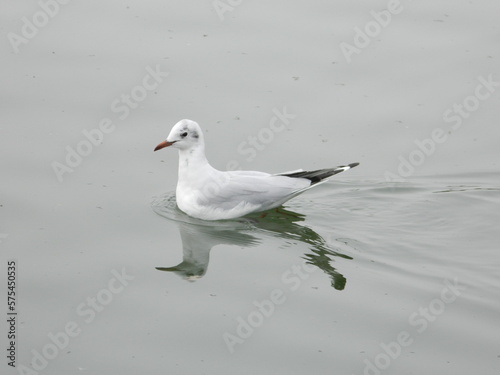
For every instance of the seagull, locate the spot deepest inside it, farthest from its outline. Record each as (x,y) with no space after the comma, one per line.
(206,193)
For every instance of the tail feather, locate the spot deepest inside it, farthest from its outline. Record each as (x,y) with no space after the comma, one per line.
(320,174)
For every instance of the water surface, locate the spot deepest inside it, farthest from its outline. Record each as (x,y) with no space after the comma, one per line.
(391,267)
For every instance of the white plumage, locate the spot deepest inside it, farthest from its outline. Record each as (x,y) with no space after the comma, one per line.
(209,194)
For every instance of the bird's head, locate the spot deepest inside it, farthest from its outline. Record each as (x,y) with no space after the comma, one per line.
(184,135)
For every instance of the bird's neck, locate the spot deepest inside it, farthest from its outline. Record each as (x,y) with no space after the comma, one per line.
(192,162)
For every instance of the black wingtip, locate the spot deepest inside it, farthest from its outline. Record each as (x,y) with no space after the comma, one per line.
(320,174)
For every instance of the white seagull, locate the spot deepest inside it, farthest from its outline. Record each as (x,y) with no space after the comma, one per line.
(206,193)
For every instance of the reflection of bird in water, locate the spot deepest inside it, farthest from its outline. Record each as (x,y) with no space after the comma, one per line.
(197,241)
(199,237)
(282,223)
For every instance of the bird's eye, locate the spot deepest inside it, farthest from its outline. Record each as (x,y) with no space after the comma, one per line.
(184,134)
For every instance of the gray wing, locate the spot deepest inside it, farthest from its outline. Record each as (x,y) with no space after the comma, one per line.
(258,189)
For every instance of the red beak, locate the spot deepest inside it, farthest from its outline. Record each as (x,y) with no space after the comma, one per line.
(163,145)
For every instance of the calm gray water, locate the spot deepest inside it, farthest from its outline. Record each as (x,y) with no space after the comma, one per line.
(389,268)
